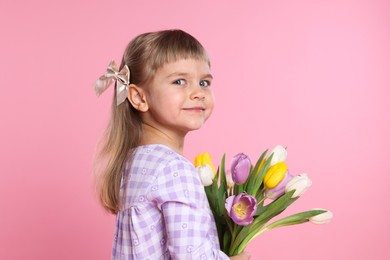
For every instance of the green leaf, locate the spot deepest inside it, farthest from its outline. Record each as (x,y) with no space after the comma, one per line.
(252,180)
(227,237)
(212,198)
(261,218)
(221,229)
(277,206)
(235,189)
(260,195)
(222,191)
(241,189)
(244,238)
(248,180)
(240,232)
(295,219)
(260,177)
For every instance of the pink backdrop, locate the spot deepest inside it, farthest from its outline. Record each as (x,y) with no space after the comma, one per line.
(311,75)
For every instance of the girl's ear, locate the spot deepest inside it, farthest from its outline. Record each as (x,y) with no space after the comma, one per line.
(137,98)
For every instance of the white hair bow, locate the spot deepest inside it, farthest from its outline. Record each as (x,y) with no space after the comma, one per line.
(122,79)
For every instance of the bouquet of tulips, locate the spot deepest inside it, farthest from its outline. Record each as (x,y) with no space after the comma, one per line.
(245,199)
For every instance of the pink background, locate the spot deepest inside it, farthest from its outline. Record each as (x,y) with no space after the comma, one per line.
(310,75)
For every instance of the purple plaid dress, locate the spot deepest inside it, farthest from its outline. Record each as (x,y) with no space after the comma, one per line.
(165,213)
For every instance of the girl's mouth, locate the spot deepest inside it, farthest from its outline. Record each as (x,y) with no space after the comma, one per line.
(194,109)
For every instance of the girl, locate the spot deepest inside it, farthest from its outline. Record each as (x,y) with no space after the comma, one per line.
(162,92)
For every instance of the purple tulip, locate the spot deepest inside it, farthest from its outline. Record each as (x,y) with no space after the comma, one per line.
(241,208)
(279,190)
(240,168)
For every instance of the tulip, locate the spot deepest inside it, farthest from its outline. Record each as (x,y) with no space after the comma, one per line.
(279,155)
(241,208)
(206,174)
(205,168)
(279,190)
(240,168)
(299,183)
(229,179)
(203,159)
(323,218)
(275,175)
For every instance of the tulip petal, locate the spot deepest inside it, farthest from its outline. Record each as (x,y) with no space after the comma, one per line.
(229,179)
(300,184)
(240,168)
(229,203)
(275,175)
(241,208)
(206,174)
(323,218)
(279,155)
(279,190)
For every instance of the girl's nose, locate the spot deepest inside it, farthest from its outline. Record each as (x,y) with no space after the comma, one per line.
(197,93)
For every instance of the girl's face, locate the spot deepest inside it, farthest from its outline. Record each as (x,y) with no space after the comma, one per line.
(180,97)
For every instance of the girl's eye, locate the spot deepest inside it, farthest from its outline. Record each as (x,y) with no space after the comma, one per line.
(179,82)
(204,83)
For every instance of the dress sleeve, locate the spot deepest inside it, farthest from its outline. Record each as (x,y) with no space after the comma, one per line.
(189,224)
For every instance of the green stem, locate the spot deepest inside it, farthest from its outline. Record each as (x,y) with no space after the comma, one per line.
(261,201)
(232,241)
(245,242)
(230,227)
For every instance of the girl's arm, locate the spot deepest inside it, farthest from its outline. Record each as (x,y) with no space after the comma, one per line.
(188,233)
(189,224)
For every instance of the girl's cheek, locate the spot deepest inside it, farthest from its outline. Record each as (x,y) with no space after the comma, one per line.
(212,98)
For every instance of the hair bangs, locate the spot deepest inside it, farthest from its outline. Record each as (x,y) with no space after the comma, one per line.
(175,46)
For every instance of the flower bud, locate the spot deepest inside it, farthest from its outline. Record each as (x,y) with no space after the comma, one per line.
(279,155)
(206,174)
(299,183)
(229,179)
(203,159)
(275,175)
(323,218)
(240,168)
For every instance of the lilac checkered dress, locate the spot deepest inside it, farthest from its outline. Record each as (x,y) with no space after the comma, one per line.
(165,212)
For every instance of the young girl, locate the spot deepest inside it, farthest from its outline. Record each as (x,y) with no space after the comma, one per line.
(162,92)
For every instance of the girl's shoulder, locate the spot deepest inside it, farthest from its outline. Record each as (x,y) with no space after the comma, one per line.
(155,151)
(158,157)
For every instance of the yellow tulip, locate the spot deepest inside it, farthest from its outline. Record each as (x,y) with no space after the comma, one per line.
(275,175)
(204,159)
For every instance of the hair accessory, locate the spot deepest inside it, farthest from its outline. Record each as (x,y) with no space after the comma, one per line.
(122,82)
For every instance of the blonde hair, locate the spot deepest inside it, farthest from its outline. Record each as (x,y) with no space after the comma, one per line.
(144,55)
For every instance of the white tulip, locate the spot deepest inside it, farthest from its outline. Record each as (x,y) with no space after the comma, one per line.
(229,179)
(206,174)
(280,155)
(299,183)
(323,218)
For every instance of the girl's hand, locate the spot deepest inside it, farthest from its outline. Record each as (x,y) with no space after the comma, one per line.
(242,256)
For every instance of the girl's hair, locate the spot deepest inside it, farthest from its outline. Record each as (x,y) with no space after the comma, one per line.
(144,55)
